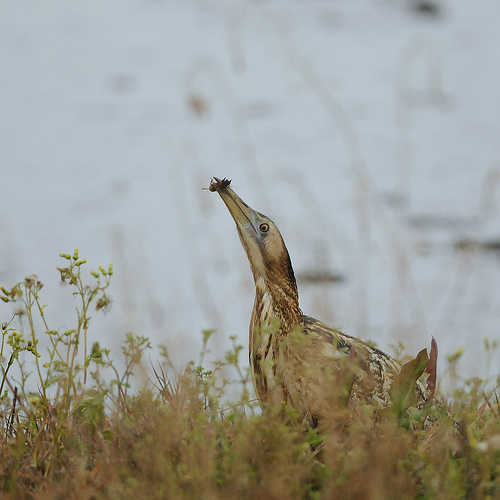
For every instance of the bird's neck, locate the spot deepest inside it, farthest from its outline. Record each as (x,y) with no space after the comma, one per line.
(276,301)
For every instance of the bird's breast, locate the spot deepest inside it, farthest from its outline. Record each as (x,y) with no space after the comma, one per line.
(265,336)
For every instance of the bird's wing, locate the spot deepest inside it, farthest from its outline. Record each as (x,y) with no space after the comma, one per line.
(373,370)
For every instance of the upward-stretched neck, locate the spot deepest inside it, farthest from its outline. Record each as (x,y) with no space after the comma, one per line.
(277,297)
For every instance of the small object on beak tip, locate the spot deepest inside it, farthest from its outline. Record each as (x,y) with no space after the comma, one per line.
(218,184)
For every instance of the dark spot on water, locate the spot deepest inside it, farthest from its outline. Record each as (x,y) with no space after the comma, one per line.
(426,8)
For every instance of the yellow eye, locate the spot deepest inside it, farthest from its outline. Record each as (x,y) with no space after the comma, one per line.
(264,227)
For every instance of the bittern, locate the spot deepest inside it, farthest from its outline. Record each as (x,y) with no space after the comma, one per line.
(296,359)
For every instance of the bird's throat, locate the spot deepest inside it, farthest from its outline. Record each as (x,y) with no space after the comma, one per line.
(275,306)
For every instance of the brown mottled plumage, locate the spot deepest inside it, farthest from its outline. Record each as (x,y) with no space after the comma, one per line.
(294,358)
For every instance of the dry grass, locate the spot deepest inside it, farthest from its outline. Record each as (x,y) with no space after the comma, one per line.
(87,434)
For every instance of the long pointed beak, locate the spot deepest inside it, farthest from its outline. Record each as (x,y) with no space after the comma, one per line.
(242,214)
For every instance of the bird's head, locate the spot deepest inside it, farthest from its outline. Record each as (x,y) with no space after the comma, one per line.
(263,243)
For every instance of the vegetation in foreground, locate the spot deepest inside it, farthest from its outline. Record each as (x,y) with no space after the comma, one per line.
(85,433)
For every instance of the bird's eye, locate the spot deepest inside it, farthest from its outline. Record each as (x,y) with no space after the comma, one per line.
(264,227)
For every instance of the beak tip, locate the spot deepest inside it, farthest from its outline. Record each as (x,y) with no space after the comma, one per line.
(218,184)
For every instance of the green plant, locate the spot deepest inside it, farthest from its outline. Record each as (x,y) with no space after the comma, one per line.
(92,432)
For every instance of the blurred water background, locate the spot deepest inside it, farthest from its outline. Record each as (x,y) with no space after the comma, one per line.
(368,130)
